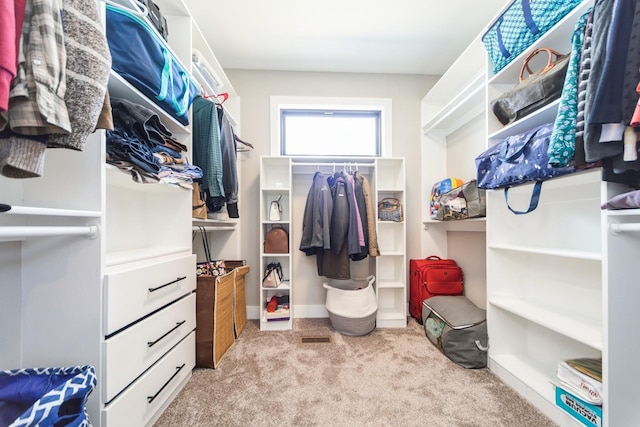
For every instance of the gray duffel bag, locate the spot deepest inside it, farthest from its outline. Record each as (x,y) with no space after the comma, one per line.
(457,328)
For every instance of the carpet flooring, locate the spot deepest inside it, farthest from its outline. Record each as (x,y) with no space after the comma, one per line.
(390,377)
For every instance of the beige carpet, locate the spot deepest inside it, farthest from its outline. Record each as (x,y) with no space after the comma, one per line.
(391,377)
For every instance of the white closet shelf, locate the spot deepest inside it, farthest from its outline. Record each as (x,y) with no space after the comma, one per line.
(471,224)
(120,88)
(389,314)
(466,105)
(118,178)
(285,284)
(623,212)
(544,115)
(567,325)
(586,255)
(214,224)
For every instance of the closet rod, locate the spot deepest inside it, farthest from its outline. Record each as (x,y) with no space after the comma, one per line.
(28,210)
(48,231)
(623,228)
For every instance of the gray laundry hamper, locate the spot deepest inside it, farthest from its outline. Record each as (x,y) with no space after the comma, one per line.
(457,328)
(352,305)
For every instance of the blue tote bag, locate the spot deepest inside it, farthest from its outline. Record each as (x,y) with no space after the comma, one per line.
(522,23)
(518,159)
(141,57)
(46,396)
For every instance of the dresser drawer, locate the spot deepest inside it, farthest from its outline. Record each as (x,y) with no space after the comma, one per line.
(129,353)
(133,293)
(142,403)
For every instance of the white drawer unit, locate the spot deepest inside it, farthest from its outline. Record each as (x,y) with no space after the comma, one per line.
(144,401)
(129,353)
(133,293)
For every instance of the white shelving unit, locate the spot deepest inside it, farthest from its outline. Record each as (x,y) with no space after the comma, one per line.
(289,178)
(391,270)
(85,260)
(559,279)
(453,133)
(276,182)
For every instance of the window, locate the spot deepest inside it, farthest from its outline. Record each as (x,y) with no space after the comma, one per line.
(330,127)
(330,133)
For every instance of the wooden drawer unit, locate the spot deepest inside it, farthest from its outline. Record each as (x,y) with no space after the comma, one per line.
(130,352)
(142,403)
(133,293)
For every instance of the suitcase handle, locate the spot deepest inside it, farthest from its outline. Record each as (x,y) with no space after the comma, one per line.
(435,257)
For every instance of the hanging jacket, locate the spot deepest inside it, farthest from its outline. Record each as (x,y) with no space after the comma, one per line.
(362,209)
(206,146)
(340,217)
(316,220)
(228,147)
(371,215)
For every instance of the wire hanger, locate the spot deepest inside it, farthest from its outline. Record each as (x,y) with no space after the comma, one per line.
(248,147)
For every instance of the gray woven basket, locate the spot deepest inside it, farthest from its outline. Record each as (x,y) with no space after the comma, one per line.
(352,306)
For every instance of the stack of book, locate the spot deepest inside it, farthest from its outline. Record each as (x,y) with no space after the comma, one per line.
(582,377)
(579,389)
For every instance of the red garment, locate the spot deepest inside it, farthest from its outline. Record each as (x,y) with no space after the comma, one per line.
(11,18)
(635,119)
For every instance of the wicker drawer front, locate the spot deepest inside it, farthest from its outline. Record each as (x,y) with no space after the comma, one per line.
(142,403)
(132,351)
(133,293)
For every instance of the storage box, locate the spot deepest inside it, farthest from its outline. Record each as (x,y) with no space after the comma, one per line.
(240,300)
(588,414)
(215,332)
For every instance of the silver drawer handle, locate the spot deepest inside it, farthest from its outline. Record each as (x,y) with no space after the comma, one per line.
(167,284)
(178,324)
(152,398)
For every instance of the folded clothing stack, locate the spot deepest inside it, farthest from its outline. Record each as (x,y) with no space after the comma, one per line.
(582,377)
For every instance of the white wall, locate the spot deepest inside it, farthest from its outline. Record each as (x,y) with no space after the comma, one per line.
(255,89)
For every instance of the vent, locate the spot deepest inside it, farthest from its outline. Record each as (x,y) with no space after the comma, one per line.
(314,340)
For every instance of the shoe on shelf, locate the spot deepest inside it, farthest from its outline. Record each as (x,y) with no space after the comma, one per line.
(272,304)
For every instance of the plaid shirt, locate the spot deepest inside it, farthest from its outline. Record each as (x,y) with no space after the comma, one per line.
(36,104)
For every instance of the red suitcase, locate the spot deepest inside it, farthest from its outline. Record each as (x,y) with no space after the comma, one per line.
(430,277)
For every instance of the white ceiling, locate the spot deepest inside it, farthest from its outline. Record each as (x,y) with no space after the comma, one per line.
(370,36)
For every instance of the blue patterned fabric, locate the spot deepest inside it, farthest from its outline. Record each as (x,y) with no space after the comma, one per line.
(562,145)
(46,396)
(521,24)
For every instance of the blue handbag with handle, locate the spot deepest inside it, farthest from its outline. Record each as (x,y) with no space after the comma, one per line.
(522,23)
(518,159)
(142,58)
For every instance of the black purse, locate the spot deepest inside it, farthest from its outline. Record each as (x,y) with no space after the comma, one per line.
(535,91)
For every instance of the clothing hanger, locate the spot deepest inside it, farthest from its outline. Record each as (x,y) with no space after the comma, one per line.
(248,147)
(223,95)
(142,13)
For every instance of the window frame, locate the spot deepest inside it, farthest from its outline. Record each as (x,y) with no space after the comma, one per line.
(292,103)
